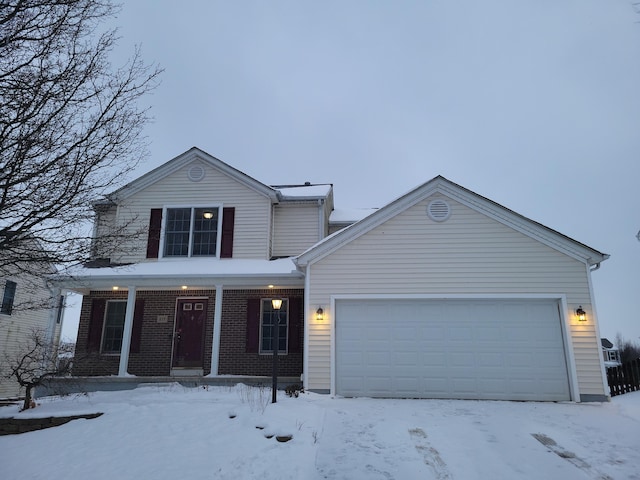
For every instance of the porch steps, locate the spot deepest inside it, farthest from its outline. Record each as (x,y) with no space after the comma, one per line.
(187,372)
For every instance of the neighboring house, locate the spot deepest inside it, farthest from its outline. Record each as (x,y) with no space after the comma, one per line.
(610,353)
(440,294)
(23,310)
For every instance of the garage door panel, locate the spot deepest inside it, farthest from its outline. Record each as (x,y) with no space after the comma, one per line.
(494,349)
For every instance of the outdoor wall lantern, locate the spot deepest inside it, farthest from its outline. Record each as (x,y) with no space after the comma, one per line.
(582,315)
(276,303)
(320,314)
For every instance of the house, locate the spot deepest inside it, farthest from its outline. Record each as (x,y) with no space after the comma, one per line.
(442,293)
(610,354)
(25,298)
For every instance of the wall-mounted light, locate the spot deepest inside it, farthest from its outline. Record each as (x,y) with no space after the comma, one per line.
(276,303)
(320,314)
(582,315)
(184,287)
(208,215)
(115,288)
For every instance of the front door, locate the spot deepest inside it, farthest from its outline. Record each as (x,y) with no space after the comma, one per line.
(188,338)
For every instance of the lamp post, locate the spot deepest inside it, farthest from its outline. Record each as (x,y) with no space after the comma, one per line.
(276,303)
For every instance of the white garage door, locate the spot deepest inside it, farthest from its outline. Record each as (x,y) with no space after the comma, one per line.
(469,349)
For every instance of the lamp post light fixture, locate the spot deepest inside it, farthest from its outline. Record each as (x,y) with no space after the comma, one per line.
(276,303)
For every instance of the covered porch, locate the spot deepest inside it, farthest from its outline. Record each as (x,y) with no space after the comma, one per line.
(185,320)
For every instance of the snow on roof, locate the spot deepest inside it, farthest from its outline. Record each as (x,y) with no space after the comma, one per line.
(190,268)
(350,215)
(303,191)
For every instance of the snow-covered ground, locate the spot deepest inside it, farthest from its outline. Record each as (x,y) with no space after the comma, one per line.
(171,432)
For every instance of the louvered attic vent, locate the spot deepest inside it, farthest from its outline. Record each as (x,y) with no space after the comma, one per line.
(439,210)
(196,173)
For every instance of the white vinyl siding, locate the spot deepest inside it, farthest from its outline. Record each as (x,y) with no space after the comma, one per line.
(296,228)
(105,222)
(252,210)
(469,254)
(15,329)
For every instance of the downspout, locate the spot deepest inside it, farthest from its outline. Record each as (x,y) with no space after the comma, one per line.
(320,219)
(305,355)
(597,265)
(603,371)
(304,378)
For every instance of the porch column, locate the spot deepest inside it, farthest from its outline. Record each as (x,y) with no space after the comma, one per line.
(126,333)
(217,327)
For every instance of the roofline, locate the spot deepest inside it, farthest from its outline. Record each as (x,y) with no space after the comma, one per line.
(181,160)
(84,284)
(440,184)
(291,198)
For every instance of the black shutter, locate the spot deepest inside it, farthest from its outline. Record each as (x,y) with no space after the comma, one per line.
(136,331)
(253,325)
(155,224)
(96,320)
(228,219)
(295,324)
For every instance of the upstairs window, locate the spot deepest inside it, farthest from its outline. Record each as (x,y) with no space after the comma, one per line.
(191,232)
(8,297)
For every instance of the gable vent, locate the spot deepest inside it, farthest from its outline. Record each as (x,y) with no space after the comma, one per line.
(439,210)
(196,173)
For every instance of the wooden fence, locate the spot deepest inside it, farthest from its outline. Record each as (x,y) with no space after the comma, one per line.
(625,378)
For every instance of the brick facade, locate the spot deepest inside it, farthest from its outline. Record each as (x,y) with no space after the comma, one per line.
(156,340)
(234,360)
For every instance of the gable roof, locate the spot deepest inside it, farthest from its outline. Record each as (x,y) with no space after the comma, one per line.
(176,163)
(441,185)
(606,343)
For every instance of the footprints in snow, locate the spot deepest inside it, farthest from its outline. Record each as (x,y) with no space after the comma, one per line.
(571,457)
(431,455)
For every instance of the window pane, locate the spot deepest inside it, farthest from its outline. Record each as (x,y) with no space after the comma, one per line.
(176,240)
(8,297)
(205,232)
(113,327)
(269,318)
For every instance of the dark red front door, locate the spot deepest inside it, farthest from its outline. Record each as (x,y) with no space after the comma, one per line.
(188,339)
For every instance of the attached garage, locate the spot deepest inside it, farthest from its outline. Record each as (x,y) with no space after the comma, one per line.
(443,293)
(498,349)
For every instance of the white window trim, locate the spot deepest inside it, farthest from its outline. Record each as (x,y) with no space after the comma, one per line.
(104,326)
(270,352)
(193,207)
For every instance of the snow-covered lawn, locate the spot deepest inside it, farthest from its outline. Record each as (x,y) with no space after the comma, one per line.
(171,432)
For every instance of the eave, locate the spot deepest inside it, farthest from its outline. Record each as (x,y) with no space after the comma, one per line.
(196,274)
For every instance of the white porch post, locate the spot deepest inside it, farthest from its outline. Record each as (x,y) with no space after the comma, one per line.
(217,320)
(126,333)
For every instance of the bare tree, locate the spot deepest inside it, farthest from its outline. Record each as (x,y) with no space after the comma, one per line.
(70,127)
(37,360)
(629,350)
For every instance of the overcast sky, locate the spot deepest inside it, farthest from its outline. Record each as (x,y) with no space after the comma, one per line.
(534,104)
